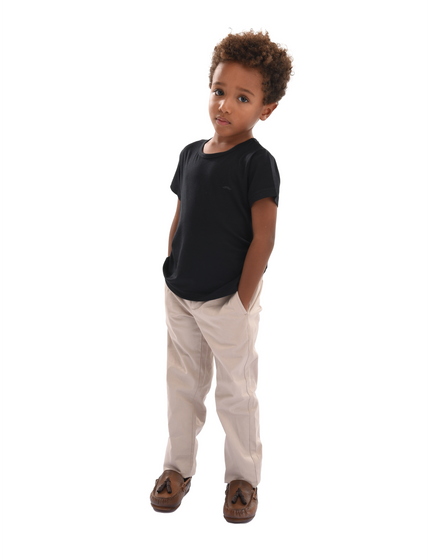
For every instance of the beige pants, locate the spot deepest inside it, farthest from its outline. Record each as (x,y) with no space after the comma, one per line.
(198,332)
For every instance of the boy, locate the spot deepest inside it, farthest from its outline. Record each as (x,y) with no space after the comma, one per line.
(220,241)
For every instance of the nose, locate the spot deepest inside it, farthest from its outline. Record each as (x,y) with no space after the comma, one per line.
(224,106)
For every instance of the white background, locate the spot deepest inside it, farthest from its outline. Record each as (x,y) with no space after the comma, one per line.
(98,100)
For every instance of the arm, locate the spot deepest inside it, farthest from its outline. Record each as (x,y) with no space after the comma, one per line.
(174,227)
(263,225)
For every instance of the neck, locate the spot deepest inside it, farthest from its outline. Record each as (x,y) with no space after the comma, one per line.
(222,143)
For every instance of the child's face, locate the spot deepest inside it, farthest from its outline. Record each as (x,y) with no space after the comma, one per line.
(236,102)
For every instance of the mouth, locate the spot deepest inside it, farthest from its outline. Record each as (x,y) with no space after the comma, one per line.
(222,121)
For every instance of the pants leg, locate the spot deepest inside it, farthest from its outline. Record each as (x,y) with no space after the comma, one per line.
(231,333)
(189,376)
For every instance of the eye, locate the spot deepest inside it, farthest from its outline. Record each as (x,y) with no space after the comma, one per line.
(243,99)
(218,92)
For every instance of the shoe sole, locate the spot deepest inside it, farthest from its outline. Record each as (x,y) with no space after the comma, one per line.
(164,509)
(239,521)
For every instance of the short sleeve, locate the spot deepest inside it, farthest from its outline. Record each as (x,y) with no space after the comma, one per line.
(263,177)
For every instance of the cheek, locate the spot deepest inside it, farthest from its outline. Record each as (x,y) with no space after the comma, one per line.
(257,114)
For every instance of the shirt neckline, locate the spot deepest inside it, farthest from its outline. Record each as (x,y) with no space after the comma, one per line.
(221,153)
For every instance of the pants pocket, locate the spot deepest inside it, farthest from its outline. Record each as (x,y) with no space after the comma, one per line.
(239,302)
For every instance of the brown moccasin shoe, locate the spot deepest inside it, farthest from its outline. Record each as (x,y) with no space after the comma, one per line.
(240,502)
(169,491)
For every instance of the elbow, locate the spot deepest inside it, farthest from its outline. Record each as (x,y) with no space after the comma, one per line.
(270,242)
(272,239)
(267,241)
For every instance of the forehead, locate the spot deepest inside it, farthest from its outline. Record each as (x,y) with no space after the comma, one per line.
(239,76)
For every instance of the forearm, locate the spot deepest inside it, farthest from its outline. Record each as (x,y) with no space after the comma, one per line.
(171,235)
(173,228)
(255,263)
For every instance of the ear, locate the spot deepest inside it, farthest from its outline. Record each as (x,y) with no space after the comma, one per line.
(267,110)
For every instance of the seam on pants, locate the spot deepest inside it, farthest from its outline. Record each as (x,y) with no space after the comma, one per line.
(249,398)
(199,383)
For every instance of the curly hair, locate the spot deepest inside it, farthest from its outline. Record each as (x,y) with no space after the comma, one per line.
(256,50)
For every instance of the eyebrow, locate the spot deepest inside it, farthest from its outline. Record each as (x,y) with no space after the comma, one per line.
(240,88)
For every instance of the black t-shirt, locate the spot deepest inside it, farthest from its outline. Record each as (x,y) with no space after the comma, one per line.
(215,223)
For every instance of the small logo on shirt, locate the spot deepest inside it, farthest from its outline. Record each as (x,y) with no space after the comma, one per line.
(227,187)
